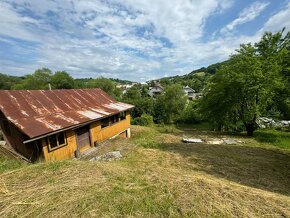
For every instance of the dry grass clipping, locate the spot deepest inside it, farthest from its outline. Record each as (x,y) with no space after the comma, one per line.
(176,180)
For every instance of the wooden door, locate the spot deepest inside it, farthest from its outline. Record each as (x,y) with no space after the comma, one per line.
(83,138)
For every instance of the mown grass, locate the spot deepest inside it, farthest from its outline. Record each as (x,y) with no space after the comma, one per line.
(158,177)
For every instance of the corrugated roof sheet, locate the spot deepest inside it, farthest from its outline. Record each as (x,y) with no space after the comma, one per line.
(39,112)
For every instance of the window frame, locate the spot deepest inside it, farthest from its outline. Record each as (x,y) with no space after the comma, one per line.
(113,119)
(105,123)
(122,115)
(57,142)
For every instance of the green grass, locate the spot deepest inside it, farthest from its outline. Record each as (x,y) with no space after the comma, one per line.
(280,139)
(277,138)
(168,128)
(159,176)
(148,138)
(204,126)
(7,164)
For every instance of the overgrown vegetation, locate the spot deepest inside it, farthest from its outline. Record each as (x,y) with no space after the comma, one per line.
(249,84)
(144,120)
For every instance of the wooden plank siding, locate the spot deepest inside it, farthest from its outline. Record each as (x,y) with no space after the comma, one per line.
(97,134)
(62,153)
(15,138)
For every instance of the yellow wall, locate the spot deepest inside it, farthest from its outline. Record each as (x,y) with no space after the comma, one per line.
(97,135)
(65,152)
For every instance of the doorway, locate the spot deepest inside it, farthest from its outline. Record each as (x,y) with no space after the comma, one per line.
(83,138)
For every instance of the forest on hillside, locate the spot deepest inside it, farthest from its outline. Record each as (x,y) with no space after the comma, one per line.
(254,82)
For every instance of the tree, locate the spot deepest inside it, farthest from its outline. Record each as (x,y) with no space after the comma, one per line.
(245,86)
(38,80)
(274,52)
(62,80)
(165,82)
(191,113)
(143,104)
(6,81)
(106,85)
(169,106)
(160,114)
(133,93)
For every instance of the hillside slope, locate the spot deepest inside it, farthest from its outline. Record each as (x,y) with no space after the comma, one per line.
(158,177)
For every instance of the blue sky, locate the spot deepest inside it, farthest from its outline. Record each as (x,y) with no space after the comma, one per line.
(129,39)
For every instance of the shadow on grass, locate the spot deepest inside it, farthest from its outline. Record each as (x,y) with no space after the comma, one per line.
(256,167)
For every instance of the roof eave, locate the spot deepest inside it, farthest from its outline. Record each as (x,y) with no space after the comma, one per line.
(73,126)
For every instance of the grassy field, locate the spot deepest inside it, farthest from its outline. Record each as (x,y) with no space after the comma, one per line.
(159,176)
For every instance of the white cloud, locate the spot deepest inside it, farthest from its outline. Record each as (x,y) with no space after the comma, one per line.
(137,40)
(278,21)
(12,23)
(246,15)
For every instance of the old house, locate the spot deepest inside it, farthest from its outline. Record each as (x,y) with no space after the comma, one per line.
(60,124)
(157,89)
(191,93)
(124,87)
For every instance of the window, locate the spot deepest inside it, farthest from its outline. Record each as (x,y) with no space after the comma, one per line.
(56,141)
(122,116)
(114,119)
(105,122)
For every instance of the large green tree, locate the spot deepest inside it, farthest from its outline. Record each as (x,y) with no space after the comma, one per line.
(62,80)
(6,81)
(274,53)
(245,87)
(106,85)
(143,104)
(38,80)
(169,105)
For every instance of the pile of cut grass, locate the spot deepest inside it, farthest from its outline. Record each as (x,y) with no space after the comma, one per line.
(169,180)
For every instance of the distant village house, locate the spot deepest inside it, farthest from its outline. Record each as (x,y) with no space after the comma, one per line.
(124,87)
(60,124)
(190,93)
(157,89)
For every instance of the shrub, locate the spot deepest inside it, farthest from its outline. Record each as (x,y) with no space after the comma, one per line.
(190,114)
(144,120)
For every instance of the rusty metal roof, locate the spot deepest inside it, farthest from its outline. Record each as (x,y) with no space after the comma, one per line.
(39,112)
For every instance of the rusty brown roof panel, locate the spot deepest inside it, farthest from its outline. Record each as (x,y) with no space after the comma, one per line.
(39,112)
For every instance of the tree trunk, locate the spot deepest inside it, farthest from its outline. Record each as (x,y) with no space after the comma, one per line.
(250,129)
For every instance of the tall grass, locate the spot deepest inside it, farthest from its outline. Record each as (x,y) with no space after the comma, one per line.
(7,164)
(275,137)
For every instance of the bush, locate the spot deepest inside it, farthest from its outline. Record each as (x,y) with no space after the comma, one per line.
(190,114)
(167,129)
(144,120)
